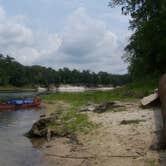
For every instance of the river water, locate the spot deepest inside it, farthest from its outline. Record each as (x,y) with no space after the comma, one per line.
(15,148)
(10,95)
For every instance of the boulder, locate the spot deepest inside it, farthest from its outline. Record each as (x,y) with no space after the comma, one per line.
(40,128)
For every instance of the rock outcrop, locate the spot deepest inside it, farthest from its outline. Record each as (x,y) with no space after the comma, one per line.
(40,128)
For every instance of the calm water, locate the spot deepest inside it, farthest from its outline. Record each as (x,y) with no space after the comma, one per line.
(15,149)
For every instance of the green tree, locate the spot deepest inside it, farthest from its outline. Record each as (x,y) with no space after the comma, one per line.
(146,51)
(15,74)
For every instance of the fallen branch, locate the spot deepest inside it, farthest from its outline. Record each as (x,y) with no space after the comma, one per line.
(92,157)
(70,157)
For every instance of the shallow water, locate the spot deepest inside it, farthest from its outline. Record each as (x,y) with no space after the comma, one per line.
(15,149)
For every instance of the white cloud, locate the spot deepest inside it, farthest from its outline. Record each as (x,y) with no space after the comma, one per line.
(2,13)
(20,41)
(87,43)
(84,43)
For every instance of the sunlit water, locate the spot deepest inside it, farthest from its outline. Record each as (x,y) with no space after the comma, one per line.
(15,148)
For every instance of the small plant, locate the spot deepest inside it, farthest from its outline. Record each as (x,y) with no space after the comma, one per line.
(152,162)
(71,122)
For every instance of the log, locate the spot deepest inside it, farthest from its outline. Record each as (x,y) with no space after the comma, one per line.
(149,99)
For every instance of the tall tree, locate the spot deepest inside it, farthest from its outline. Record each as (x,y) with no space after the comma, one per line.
(146,51)
(15,74)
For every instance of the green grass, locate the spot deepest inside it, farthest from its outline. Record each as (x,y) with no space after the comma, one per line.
(142,87)
(131,92)
(83,98)
(152,162)
(71,122)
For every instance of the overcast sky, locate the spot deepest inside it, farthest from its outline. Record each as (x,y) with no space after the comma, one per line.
(81,34)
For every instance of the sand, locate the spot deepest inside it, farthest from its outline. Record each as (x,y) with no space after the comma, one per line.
(112,143)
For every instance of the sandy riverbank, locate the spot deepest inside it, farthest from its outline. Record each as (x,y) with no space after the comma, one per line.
(112,143)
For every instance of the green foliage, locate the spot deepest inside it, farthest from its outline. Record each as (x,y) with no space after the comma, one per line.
(143,86)
(147,47)
(14,74)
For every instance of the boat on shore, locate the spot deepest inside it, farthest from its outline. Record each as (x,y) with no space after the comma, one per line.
(20,104)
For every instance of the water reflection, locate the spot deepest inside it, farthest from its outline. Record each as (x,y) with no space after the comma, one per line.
(15,149)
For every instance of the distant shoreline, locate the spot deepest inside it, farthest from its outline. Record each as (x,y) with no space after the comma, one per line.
(61,88)
(15,90)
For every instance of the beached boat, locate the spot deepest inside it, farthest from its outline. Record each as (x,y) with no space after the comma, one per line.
(20,104)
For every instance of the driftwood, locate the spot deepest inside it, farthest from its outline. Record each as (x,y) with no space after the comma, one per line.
(149,99)
(136,121)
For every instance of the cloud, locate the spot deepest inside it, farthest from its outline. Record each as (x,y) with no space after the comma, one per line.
(2,13)
(84,43)
(87,43)
(14,37)
(22,42)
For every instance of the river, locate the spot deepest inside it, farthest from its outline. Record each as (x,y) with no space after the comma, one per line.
(15,148)
(13,94)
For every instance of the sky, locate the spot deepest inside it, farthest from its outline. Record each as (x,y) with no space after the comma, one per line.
(80,34)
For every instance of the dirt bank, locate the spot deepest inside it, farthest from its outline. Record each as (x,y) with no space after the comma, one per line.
(122,138)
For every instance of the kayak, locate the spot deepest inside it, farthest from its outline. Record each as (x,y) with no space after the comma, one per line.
(20,104)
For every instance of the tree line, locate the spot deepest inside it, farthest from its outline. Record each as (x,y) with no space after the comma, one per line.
(146,50)
(13,73)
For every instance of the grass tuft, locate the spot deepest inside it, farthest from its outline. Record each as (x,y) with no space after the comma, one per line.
(71,122)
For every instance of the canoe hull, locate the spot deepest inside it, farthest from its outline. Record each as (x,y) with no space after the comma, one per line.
(21,106)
